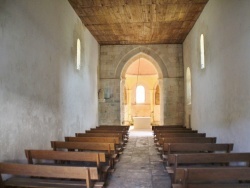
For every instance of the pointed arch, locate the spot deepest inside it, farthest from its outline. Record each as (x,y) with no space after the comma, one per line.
(141,52)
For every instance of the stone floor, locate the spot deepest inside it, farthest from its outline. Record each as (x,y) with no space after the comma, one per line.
(140,165)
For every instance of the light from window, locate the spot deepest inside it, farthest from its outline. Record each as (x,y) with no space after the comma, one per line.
(140,94)
(202,51)
(78,55)
(188,85)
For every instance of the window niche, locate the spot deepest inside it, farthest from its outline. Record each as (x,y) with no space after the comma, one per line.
(202,52)
(78,54)
(188,85)
(140,94)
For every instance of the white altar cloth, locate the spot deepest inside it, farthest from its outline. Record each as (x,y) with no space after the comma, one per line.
(142,122)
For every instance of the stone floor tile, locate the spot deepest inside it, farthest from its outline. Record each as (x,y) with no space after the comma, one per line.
(140,165)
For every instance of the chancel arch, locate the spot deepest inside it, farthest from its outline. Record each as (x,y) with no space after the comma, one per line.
(140,72)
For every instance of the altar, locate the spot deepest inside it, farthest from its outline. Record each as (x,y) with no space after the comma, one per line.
(142,122)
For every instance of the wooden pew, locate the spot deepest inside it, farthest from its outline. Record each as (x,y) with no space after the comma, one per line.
(167,126)
(116,140)
(117,128)
(171,148)
(208,159)
(107,130)
(62,157)
(168,135)
(175,131)
(184,140)
(222,177)
(108,148)
(187,140)
(124,128)
(124,133)
(51,176)
(103,139)
(93,134)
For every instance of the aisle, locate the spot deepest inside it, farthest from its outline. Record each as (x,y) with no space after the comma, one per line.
(140,166)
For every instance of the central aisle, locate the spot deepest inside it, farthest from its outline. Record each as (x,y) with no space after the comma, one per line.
(140,165)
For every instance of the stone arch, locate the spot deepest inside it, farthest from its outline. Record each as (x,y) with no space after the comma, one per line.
(141,52)
(129,57)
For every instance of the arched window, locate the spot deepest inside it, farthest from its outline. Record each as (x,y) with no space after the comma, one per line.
(78,55)
(202,51)
(140,94)
(188,85)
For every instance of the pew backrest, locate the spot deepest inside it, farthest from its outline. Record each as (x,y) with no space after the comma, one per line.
(167,135)
(115,140)
(207,158)
(32,155)
(187,140)
(91,134)
(196,147)
(175,131)
(91,146)
(48,171)
(209,177)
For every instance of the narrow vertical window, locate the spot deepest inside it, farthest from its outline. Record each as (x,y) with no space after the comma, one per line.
(188,85)
(78,55)
(202,51)
(140,94)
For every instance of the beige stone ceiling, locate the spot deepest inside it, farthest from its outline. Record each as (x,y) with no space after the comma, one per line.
(141,67)
(139,21)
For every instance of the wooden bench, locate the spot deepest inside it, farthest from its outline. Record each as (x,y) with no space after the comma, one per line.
(168,135)
(187,140)
(108,148)
(102,139)
(167,126)
(184,140)
(124,133)
(120,128)
(62,157)
(175,131)
(208,159)
(116,140)
(91,134)
(49,176)
(171,148)
(107,130)
(125,128)
(220,177)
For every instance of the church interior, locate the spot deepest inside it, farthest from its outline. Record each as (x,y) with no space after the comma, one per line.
(69,66)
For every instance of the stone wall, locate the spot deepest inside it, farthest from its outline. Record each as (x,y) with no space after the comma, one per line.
(167,59)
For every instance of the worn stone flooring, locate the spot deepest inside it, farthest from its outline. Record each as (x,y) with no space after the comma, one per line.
(140,165)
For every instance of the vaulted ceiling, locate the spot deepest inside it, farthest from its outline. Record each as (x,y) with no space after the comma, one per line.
(141,67)
(139,21)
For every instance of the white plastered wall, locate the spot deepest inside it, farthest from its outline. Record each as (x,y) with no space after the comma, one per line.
(221,92)
(42,95)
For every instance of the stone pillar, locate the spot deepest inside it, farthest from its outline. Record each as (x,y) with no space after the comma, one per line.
(162,102)
(130,118)
(173,103)
(152,105)
(122,84)
(110,111)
